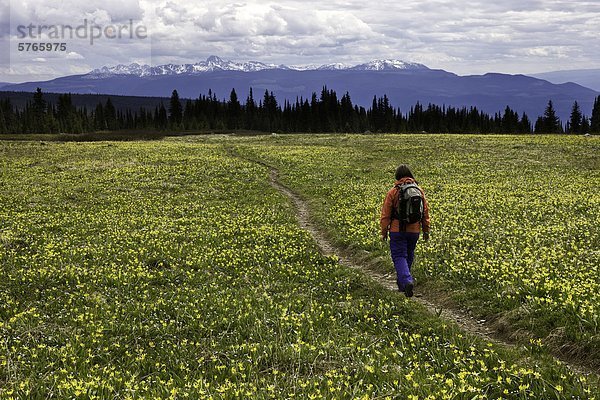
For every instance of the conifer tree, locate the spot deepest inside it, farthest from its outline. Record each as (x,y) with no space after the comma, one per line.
(510,121)
(539,125)
(175,110)
(36,114)
(3,125)
(595,120)
(234,110)
(250,109)
(39,104)
(575,120)
(110,115)
(585,125)
(161,119)
(551,123)
(524,124)
(99,121)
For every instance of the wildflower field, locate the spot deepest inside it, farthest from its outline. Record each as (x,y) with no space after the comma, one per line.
(516,220)
(172,269)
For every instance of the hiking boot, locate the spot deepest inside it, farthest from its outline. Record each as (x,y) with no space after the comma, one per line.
(408,289)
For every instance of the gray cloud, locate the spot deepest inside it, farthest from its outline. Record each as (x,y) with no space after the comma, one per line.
(458,35)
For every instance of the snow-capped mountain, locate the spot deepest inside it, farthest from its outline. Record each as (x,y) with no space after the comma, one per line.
(333,67)
(387,65)
(121,69)
(214,63)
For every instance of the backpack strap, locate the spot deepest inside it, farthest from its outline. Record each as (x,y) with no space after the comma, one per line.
(395,209)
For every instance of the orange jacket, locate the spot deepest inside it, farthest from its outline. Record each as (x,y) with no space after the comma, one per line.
(391,202)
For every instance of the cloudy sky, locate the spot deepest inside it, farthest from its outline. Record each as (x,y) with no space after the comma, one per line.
(465,37)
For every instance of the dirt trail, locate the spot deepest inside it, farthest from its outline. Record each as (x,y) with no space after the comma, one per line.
(388,281)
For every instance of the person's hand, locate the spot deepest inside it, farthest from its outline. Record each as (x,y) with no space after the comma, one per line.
(426,236)
(384,236)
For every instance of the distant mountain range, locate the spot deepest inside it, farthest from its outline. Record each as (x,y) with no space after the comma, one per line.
(214,63)
(404,83)
(585,77)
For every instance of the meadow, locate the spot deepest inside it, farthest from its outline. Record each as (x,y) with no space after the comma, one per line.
(516,227)
(172,269)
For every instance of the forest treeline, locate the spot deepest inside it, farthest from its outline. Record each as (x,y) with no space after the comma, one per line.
(323,113)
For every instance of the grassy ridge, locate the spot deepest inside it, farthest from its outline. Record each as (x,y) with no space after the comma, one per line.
(172,270)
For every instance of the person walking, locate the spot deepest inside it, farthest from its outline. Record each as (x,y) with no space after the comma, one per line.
(404,214)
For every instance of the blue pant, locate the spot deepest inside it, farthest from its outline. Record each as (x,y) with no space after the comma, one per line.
(402,247)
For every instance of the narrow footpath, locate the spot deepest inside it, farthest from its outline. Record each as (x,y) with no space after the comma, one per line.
(466,322)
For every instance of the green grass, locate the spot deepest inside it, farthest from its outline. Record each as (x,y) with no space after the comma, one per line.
(172,269)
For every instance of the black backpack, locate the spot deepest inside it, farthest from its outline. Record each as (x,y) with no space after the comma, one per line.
(410,204)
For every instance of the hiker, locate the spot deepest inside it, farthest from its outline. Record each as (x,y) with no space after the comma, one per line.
(404,214)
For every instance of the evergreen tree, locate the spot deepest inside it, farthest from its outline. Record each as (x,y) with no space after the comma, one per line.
(510,121)
(162,119)
(189,122)
(39,104)
(595,120)
(3,125)
(8,119)
(68,119)
(234,111)
(551,123)
(585,125)
(525,124)
(347,114)
(269,112)
(539,125)
(250,111)
(175,110)
(575,120)
(110,115)
(99,120)
(36,114)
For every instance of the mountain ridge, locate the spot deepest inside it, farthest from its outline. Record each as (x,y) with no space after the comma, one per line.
(584,77)
(215,63)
